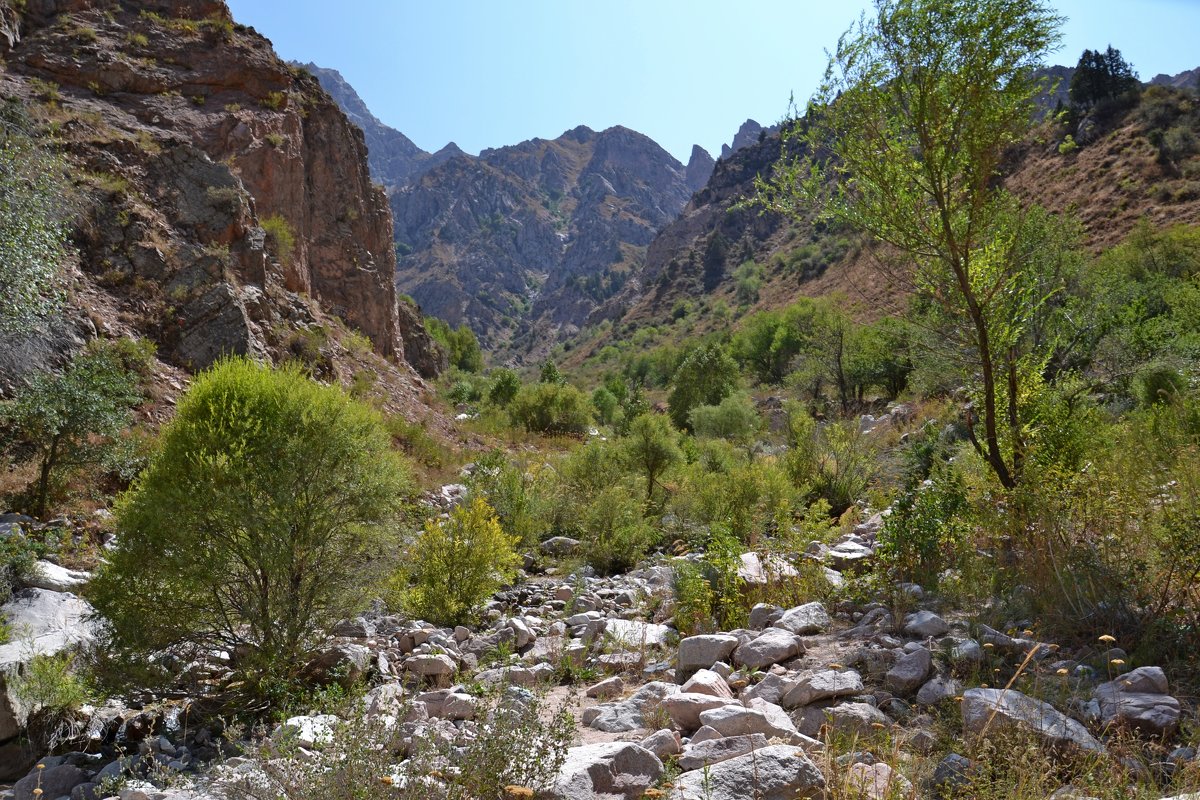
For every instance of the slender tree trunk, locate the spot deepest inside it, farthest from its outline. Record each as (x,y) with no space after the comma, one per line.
(43,490)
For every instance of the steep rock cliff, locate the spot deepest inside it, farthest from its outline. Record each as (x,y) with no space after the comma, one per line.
(393,157)
(226,201)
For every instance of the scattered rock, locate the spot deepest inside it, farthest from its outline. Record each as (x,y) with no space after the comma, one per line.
(775,772)
(995,709)
(925,624)
(805,620)
(606,772)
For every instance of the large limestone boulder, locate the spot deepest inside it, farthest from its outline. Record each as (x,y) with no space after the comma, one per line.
(627,715)
(50,576)
(609,771)
(776,772)
(997,709)
(685,708)
(909,672)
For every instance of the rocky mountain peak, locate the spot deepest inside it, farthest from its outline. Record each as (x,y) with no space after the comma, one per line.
(699,168)
(746,135)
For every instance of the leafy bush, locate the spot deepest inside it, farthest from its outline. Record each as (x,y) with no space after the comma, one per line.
(650,448)
(67,420)
(458,563)
(833,460)
(735,419)
(461,345)
(50,694)
(926,532)
(747,498)
(518,741)
(551,408)
(606,405)
(704,378)
(504,387)
(280,237)
(708,591)
(615,535)
(513,492)
(259,521)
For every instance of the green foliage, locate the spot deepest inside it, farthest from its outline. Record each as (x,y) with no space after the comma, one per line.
(1138,310)
(458,563)
(48,682)
(606,405)
(260,521)
(926,532)
(1102,76)
(705,377)
(735,419)
(522,742)
(551,408)
(63,421)
(917,110)
(512,491)
(650,449)
(747,282)
(708,591)
(280,237)
(504,387)
(551,374)
(614,533)
(461,344)
(34,212)
(17,556)
(747,498)
(833,460)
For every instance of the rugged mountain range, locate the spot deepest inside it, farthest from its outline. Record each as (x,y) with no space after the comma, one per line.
(1113,182)
(393,157)
(225,204)
(522,243)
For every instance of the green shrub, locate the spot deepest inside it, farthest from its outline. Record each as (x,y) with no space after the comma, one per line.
(460,344)
(64,421)
(458,563)
(522,742)
(650,448)
(615,535)
(260,520)
(735,419)
(708,592)
(706,377)
(606,406)
(33,221)
(504,387)
(926,532)
(280,238)
(551,408)
(513,493)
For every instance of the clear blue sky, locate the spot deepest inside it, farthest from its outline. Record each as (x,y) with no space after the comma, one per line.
(487,73)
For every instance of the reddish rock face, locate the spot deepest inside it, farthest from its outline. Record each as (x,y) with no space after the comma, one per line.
(201,138)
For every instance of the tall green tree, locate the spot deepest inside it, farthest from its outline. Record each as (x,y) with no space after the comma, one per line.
(67,419)
(1101,76)
(705,377)
(905,140)
(650,448)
